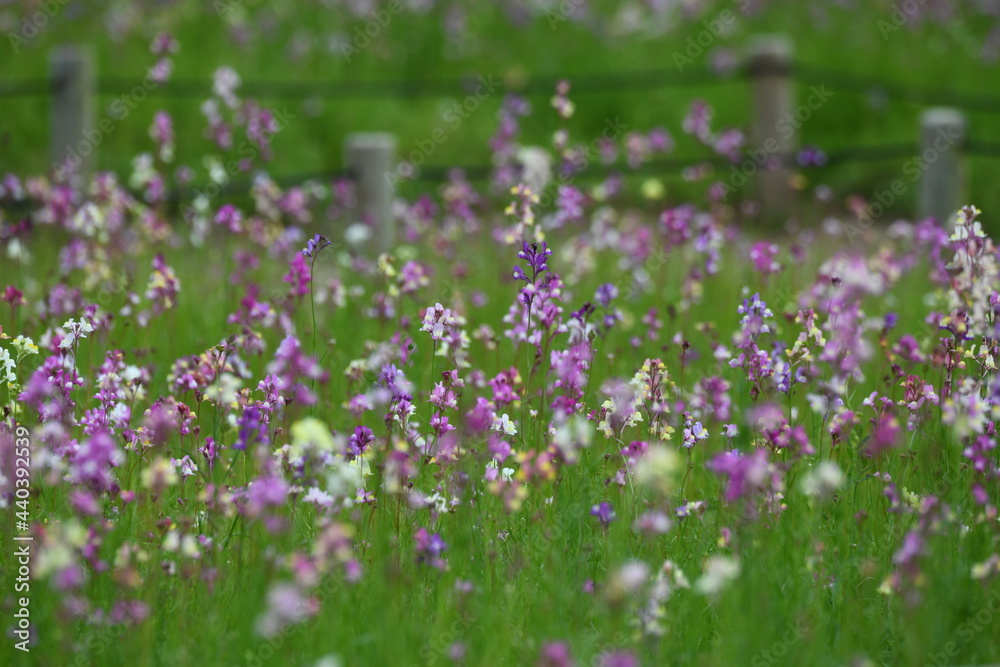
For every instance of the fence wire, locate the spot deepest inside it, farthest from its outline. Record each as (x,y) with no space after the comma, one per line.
(582,83)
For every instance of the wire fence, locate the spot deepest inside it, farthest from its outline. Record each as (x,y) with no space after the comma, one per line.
(583,83)
(587,83)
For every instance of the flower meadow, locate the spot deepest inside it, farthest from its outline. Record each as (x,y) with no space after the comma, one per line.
(554,426)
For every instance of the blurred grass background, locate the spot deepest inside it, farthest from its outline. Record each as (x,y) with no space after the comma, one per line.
(303,42)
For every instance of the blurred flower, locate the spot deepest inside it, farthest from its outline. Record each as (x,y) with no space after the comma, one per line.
(604,512)
(719,572)
(658,469)
(822,480)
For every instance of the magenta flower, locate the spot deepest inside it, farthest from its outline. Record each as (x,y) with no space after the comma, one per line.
(620,659)
(286,606)
(298,276)
(763,256)
(162,132)
(555,654)
(93,461)
(264,493)
(429,549)
(745,473)
(359,442)
(292,369)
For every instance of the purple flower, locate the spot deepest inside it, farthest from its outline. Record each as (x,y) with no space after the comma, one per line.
(229,217)
(763,256)
(251,428)
(263,493)
(359,442)
(315,245)
(92,463)
(480,417)
(162,132)
(745,472)
(913,546)
(812,156)
(885,434)
(292,367)
(535,257)
(555,654)
(693,432)
(164,286)
(298,276)
(286,606)
(604,512)
(620,659)
(429,549)
(606,293)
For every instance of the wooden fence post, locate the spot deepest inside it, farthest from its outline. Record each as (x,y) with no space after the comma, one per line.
(942,182)
(370,157)
(769,66)
(73,151)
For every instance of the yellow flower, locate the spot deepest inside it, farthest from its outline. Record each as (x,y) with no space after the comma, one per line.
(310,433)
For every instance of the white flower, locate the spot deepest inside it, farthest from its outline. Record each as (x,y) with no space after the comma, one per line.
(719,571)
(7,368)
(822,480)
(24,346)
(962,228)
(505,425)
(186,545)
(75,331)
(574,433)
(318,497)
(185,466)
(331,660)
(632,575)
(344,478)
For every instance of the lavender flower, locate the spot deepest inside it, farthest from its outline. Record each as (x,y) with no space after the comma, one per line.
(429,549)
(315,245)
(604,512)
